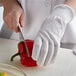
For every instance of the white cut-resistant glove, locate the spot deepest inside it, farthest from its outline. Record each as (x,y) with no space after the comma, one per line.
(47,42)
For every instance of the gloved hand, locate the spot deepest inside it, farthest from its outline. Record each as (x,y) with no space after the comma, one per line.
(47,42)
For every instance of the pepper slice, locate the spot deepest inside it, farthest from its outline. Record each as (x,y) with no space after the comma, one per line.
(3,74)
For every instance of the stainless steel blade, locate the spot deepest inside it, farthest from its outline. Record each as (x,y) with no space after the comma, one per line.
(22,39)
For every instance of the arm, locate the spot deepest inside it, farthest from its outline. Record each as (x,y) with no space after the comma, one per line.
(2,2)
(71,3)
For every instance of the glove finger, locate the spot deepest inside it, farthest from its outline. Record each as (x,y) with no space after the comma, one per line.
(56,46)
(55,53)
(50,48)
(36,48)
(43,51)
(50,53)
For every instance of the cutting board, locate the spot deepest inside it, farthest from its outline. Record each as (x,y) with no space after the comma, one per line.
(64,64)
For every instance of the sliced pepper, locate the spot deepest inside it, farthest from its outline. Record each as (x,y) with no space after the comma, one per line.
(3,74)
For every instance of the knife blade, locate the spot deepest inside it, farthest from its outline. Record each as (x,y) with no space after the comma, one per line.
(22,39)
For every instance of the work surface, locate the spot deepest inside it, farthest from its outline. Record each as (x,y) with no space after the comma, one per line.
(64,65)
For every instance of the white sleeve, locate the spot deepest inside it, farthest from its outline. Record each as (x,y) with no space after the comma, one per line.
(70,33)
(69,39)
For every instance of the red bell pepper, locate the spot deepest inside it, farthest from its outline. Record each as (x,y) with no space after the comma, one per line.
(25,60)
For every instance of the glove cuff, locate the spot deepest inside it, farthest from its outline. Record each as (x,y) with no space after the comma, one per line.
(66,12)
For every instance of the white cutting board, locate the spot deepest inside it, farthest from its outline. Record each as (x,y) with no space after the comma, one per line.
(64,65)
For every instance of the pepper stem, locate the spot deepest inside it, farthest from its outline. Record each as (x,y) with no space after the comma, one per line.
(15,56)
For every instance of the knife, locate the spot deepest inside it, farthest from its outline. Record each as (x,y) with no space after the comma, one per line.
(22,39)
